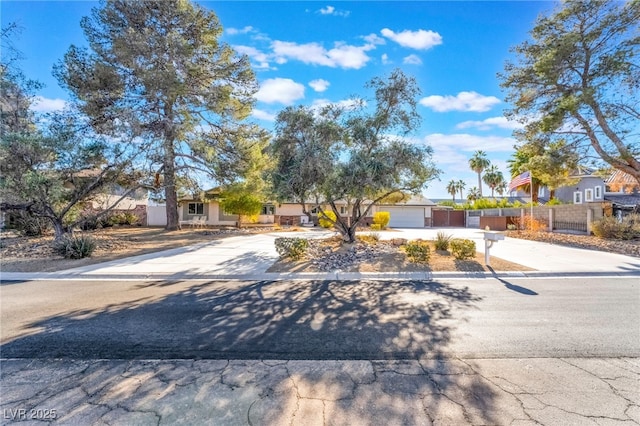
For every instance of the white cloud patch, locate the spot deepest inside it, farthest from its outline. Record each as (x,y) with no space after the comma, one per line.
(463,101)
(412,60)
(260,58)
(374,39)
(421,39)
(385,59)
(465,142)
(263,115)
(491,123)
(234,31)
(319,85)
(280,90)
(330,10)
(342,55)
(347,104)
(42,104)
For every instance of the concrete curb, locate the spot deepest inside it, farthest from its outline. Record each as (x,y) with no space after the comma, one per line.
(312,276)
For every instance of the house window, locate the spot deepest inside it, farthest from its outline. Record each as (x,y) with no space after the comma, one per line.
(541,191)
(588,194)
(597,192)
(577,197)
(195,208)
(268,209)
(315,210)
(343,210)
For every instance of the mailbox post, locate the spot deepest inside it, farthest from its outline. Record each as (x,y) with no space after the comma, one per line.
(489,238)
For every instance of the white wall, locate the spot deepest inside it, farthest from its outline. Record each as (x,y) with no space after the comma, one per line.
(157,215)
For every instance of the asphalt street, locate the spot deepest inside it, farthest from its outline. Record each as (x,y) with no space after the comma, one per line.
(321,320)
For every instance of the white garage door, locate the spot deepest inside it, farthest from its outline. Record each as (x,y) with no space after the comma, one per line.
(405,217)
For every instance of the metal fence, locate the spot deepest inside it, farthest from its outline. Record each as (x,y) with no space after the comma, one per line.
(569,226)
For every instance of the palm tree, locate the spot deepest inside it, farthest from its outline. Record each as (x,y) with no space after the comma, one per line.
(502,187)
(478,163)
(493,177)
(474,194)
(461,185)
(452,188)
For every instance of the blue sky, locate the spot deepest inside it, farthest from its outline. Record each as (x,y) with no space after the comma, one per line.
(317,52)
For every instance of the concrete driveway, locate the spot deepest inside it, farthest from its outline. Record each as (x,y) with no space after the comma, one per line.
(250,256)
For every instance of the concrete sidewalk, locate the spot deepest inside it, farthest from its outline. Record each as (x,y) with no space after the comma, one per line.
(250,256)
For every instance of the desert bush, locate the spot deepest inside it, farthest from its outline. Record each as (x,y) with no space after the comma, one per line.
(530,224)
(370,238)
(463,248)
(291,247)
(382,219)
(326,219)
(375,227)
(442,240)
(31,226)
(418,251)
(610,228)
(75,247)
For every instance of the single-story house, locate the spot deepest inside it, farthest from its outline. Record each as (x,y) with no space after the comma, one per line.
(414,213)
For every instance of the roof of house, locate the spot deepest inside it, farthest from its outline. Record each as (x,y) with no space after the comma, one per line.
(621,178)
(623,200)
(415,200)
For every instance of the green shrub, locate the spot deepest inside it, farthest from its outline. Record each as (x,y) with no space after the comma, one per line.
(291,247)
(326,219)
(462,248)
(382,219)
(442,240)
(610,228)
(418,251)
(75,247)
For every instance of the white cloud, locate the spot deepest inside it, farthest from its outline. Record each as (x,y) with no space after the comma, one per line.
(42,104)
(261,58)
(330,10)
(234,31)
(342,55)
(347,104)
(374,39)
(421,39)
(263,115)
(491,123)
(468,143)
(412,60)
(280,90)
(463,101)
(385,59)
(319,85)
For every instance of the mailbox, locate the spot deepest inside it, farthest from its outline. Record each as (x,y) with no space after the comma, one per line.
(489,238)
(493,236)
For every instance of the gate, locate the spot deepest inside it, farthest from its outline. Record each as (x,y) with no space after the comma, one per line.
(448,218)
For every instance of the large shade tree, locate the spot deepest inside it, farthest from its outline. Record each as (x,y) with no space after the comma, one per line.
(159,69)
(578,79)
(362,161)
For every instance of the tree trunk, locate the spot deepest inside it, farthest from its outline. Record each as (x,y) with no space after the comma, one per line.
(58,228)
(171,196)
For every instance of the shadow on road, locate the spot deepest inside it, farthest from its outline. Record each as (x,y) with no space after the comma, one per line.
(514,287)
(403,321)
(256,320)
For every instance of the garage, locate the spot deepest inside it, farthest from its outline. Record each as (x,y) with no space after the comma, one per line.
(405,217)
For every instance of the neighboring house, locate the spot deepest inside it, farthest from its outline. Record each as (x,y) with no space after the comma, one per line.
(623,192)
(589,189)
(415,213)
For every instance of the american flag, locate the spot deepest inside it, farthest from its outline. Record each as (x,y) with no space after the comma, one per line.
(520,180)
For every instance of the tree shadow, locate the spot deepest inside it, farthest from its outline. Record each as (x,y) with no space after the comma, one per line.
(266,321)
